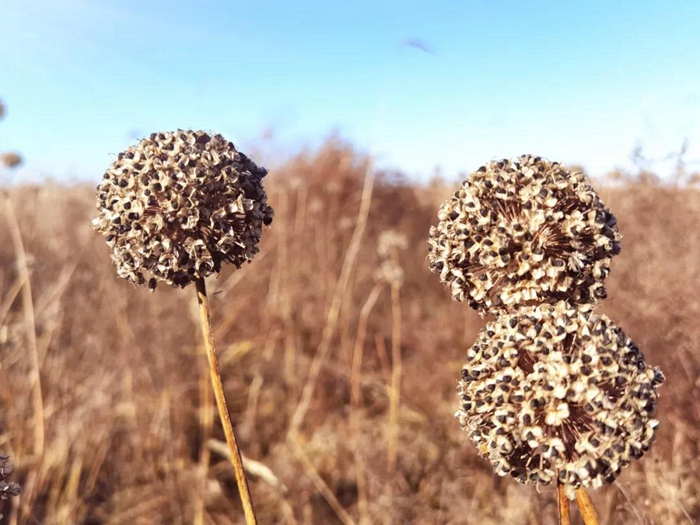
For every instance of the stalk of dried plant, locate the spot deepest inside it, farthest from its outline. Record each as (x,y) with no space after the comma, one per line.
(389,245)
(321,355)
(563,506)
(356,398)
(215,375)
(30,320)
(174,208)
(585,505)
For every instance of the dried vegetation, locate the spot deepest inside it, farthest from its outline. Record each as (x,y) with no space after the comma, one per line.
(124,416)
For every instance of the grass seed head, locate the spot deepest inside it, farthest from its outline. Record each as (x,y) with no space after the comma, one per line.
(556,392)
(177,205)
(523,231)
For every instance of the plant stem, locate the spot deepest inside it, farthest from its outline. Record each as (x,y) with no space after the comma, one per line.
(563,506)
(215,374)
(585,506)
(396,372)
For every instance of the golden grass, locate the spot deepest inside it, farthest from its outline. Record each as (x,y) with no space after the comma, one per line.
(307,353)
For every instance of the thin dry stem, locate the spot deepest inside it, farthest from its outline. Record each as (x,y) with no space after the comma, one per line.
(218,386)
(30,320)
(334,311)
(396,371)
(321,355)
(206,416)
(358,350)
(563,506)
(356,398)
(585,506)
(321,485)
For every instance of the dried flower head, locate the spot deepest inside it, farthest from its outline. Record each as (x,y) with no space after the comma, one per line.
(175,206)
(2,110)
(7,489)
(523,231)
(555,392)
(10,159)
(389,245)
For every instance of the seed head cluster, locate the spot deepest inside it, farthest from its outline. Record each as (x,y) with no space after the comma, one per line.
(550,392)
(558,393)
(177,205)
(521,232)
(7,489)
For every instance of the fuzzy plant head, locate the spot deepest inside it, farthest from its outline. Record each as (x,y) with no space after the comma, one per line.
(178,205)
(390,244)
(523,231)
(558,393)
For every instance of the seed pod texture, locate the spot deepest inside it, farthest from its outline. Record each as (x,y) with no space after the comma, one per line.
(523,231)
(177,205)
(556,392)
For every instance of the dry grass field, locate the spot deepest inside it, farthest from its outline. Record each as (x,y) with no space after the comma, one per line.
(128,434)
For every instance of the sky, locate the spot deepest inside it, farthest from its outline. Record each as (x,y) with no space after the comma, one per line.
(421,85)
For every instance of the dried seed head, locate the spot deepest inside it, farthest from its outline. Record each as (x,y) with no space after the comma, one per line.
(175,206)
(389,245)
(555,392)
(2,110)
(523,231)
(7,489)
(391,242)
(10,159)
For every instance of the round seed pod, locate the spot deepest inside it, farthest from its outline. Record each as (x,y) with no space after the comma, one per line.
(10,159)
(558,393)
(523,231)
(178,205)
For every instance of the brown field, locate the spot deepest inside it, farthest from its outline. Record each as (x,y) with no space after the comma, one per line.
(127,414)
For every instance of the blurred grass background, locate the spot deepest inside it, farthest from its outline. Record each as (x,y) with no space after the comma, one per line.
(127,417)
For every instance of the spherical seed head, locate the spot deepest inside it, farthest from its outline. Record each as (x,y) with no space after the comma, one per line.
(555,392)
(177,205)
(523,231)
(10,159)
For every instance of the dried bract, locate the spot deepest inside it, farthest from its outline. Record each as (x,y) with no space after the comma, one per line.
(177,205)
(523,231)
(555,392)
(10,159)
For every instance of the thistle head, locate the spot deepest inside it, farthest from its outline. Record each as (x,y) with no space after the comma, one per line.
(523,231)
(557,393)
(178,205)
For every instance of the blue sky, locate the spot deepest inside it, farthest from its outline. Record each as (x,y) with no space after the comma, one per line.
(580,82)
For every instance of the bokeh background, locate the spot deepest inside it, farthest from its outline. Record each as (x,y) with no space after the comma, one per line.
(369,116)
